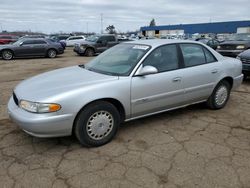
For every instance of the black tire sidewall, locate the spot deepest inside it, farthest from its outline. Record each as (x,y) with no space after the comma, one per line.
(5,52)
(89,52)
(48,53)
(227,85)
(81,122)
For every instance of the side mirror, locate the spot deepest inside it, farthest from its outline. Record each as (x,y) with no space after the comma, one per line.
(21,44)
(143,71)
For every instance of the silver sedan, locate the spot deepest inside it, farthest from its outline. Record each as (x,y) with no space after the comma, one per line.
(129,81)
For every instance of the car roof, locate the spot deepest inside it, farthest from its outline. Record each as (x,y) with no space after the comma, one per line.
(158,42)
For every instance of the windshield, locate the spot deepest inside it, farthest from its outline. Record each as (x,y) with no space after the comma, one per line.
(118,60)
(240,37)
(92,38)
(18,42)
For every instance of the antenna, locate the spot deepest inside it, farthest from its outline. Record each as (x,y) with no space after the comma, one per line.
(101,23)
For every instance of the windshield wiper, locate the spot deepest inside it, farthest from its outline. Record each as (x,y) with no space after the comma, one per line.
(102,72)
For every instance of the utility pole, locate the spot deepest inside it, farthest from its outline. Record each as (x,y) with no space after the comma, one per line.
(101,23)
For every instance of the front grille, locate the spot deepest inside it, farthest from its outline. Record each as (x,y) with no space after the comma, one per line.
(228,47)
(15,99)
(245,60)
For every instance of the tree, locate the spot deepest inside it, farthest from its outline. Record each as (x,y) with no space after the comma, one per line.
(152,22)
(111,29)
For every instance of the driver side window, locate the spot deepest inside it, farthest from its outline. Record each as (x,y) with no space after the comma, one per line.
(164,58)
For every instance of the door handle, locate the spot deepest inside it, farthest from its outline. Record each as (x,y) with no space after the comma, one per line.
(214,71)
(177,79)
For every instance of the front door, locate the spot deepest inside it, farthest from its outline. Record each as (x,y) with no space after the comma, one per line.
(160,91)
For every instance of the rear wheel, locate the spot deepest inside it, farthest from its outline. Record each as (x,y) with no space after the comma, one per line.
(7,54)
(220,95)
(97,124)
(89,52)
(51,53)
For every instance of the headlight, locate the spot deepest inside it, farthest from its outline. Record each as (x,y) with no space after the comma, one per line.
(218,47)
(39,107)
(240,47)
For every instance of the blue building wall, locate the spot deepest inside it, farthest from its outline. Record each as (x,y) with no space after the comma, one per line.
(217,27)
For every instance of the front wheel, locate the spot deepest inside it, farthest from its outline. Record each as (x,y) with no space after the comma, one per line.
(89,52)
(7,55)
(97,124)
(220,95)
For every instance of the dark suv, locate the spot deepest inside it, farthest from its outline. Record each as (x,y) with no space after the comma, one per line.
(95,44)
(245,59)
(235,45)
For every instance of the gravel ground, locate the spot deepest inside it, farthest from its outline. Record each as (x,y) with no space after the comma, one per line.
(189,147)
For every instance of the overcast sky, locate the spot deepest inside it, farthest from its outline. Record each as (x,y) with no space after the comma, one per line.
(126,15)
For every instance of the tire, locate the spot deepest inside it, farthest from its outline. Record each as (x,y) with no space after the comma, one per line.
(220,95)
(89,52)
(245,77)
(97,124)
(51,53)
(7,54)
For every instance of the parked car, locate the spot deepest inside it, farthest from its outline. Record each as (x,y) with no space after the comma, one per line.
(235,45)
(32,37)
(6,39)
(59,37)
(129,81)
(245,59)
(71,41)
(63,44)
(213,43)
(95,44)
(31,48)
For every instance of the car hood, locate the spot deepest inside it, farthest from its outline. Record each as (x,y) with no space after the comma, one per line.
(245,54)
(234,42)
(6,46)
(46,85)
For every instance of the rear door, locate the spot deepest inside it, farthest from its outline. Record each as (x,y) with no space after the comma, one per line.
(39,47)
(201,72)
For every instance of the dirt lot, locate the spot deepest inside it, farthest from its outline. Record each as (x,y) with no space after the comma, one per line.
(190,147)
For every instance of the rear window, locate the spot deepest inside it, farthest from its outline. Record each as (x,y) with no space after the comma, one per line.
(193,54)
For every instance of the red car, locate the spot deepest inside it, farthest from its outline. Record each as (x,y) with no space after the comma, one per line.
(6,39)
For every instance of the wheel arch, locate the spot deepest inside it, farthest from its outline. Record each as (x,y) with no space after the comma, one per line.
(228,79)
(52,48)
(91,47)
(1,51)
(119,106)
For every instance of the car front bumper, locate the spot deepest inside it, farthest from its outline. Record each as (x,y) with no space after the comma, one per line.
(237,81)
(41,125)
(231,53)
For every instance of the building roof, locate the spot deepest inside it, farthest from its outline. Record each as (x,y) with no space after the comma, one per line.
(215,27)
